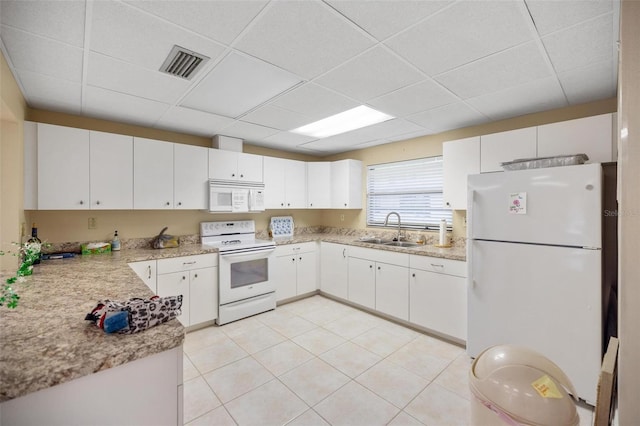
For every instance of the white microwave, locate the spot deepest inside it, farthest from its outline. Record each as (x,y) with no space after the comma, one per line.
(235,197)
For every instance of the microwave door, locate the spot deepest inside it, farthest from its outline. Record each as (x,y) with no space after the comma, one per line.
(220,200)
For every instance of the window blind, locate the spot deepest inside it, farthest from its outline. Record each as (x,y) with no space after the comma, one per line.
(412,188)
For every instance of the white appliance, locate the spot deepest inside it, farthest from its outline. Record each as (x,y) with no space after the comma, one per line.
(244,269)
(235,197)
(534,259)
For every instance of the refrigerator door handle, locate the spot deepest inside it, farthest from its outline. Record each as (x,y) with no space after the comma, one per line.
(470,199)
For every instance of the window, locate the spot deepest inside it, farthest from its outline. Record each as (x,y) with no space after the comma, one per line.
(412,188)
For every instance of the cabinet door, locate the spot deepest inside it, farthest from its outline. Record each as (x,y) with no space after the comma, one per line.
(438,302)
(250,168)
(500,147)
(295,183)
(590,135)
(362,282)
(346,184)
(152,174)
(319,185)
(460,159)
(284,274)
(174,284)
(111,171)
(30,165)
(306,273)
(191,176)
(63,168)
(334,269)
(274,191)
(392,290)
(203,295)
(146,270)
(223,164)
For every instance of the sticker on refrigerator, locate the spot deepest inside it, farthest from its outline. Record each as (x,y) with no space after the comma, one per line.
(518,203)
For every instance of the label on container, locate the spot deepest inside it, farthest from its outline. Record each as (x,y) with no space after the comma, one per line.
(546,387)
(518,203)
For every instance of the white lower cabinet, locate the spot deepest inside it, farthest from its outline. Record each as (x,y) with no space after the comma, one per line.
(438,295)
(146,270)
(334,273)
(378,280)
(295,270)
(196,279)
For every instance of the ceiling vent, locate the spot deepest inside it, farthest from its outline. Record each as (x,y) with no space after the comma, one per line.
(183,63)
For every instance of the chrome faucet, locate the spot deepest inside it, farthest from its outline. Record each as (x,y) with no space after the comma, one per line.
(386,221)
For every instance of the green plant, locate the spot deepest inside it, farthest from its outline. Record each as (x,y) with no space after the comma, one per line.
(29,253)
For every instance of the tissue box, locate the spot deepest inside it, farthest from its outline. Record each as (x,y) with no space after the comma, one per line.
(94,248)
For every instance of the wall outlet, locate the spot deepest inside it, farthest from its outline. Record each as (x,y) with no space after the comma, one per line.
(342,218)
(93,223)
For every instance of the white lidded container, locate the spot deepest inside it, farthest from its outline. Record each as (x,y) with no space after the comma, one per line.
(513,385)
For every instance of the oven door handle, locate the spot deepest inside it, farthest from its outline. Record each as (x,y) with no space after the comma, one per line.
(261,251)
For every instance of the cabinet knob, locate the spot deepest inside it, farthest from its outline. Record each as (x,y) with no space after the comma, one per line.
(241,176)
(378,268)
(97,202)
(81,202)
(299,258)
(413,275)
(293,259)
(184,278)
(370,266)
(288,204)
(168,203)
(233,175)
(448,204)
(282,204)
(345,204)
(310,204)
(195,275)
(179,203)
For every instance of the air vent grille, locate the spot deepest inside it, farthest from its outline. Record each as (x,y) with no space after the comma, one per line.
(183,63)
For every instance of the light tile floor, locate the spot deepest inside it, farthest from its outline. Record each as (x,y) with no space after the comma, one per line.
(319,362)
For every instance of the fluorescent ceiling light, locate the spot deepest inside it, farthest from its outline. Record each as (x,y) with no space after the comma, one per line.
(352,119)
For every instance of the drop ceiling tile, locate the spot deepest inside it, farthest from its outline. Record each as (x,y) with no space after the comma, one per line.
(581,45)
(304,37)
(238,84)
(550,16)
(288,147)
(384,18)
(288,139)
(109,105)
(371,74)
(123,77)
(448,117)
(220,20)
(277,118)
(60,20)
(134,36)
(190,121)
(539,95)
(387,129)
(415,98)
(44,92)
(511,67)
(590,83)
(314,101)
(33,53)
(248,131)
(462,33)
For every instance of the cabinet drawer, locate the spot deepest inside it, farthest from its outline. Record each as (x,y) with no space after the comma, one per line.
(289,249)
(383,256)
(186,263)
(442,266)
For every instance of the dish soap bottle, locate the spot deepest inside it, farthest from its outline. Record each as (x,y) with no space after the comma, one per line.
(115,243)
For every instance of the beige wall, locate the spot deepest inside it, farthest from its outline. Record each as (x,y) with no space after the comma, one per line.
(629,219)
(12,113)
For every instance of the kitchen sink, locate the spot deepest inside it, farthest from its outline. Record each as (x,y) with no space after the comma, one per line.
(374,241)
(400,244)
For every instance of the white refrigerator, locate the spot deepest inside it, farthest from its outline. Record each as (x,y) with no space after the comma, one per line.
(534,259)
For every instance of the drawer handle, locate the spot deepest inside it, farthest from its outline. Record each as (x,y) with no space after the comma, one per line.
(437,265)
(189,263)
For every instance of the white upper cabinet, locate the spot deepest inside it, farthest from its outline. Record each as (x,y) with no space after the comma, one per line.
(284,183)
(319,185)
(153,174)
(111,171)
(590,135)
(346,184)
(235,166)
(63,168)
(30,165)
(191,176)
(501,147)
(460,159)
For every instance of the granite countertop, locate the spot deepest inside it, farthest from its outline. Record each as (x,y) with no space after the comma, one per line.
(46,341)
(453,253)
